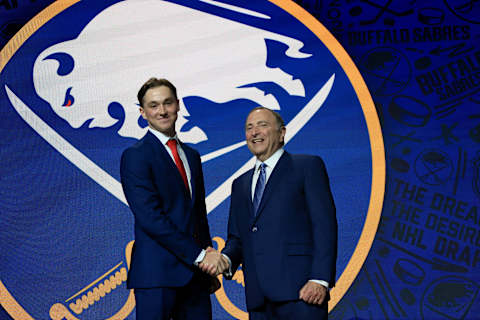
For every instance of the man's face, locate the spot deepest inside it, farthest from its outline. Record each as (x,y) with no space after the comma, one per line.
(160,108)
(263,135)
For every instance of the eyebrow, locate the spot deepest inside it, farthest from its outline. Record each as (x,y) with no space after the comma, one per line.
(258,122)
(170,99)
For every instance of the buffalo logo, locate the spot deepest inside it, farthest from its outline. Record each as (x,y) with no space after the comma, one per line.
(72,77)
(181,55)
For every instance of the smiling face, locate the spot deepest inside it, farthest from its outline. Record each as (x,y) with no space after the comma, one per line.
(160,108)
(264,133)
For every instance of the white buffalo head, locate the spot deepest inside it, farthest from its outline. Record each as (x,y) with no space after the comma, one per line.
(126,44)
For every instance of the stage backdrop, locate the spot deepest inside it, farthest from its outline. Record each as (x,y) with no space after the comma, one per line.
(385,91)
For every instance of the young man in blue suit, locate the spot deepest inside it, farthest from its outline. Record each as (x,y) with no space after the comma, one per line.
(282,227)
(163,182)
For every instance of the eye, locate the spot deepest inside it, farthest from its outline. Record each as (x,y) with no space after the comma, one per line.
(69,99)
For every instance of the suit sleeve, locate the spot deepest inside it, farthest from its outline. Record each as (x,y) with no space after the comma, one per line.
(202,210)
(147,207)
(324,222)
(233,246)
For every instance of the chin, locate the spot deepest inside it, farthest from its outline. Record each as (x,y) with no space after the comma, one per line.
(259,155)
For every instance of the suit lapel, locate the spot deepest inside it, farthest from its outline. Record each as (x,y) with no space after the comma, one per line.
(281,168)
(247,187)
(160,151)
(165,159)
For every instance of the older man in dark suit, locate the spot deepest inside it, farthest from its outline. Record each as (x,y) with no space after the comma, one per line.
(282,227)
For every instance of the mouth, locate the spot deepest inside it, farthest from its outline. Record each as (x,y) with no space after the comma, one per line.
(257,140)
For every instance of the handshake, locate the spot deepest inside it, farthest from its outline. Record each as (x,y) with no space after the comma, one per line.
(214,263)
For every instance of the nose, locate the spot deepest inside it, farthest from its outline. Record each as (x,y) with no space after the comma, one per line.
(252,132)
(162,109)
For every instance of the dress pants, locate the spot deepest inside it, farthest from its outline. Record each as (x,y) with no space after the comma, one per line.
(190,302)
(289,310)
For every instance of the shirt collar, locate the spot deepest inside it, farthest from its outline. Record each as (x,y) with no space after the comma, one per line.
(162,137)
(272,161)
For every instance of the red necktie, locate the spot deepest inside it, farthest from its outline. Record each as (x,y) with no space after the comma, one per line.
(172,144)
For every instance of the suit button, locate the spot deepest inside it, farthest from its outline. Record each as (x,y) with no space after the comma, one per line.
(254,229)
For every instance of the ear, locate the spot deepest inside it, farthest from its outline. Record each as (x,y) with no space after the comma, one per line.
(142,112)
(283,131)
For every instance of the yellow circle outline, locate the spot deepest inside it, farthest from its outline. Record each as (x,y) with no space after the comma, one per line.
(373,126)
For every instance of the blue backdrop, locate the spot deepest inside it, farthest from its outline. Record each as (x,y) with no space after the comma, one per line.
(62,235)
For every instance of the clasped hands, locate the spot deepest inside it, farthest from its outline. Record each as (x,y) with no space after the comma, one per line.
(214,263)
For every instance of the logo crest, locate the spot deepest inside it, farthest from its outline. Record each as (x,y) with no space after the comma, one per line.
(69,81)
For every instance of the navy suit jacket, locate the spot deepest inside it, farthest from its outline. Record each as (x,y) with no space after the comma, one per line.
(293,237)
(171,227)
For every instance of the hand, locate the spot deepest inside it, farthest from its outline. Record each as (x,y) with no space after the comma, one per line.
(208,264)
(313,293)
(213,263)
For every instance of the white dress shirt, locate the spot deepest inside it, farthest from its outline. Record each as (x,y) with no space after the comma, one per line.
(270,164)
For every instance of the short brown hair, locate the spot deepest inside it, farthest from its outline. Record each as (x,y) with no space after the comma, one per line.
(152,83)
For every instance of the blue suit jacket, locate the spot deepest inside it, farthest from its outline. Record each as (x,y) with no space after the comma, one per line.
(293,237)
(167,219)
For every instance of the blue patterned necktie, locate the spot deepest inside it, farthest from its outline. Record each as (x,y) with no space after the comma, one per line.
(259,187)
